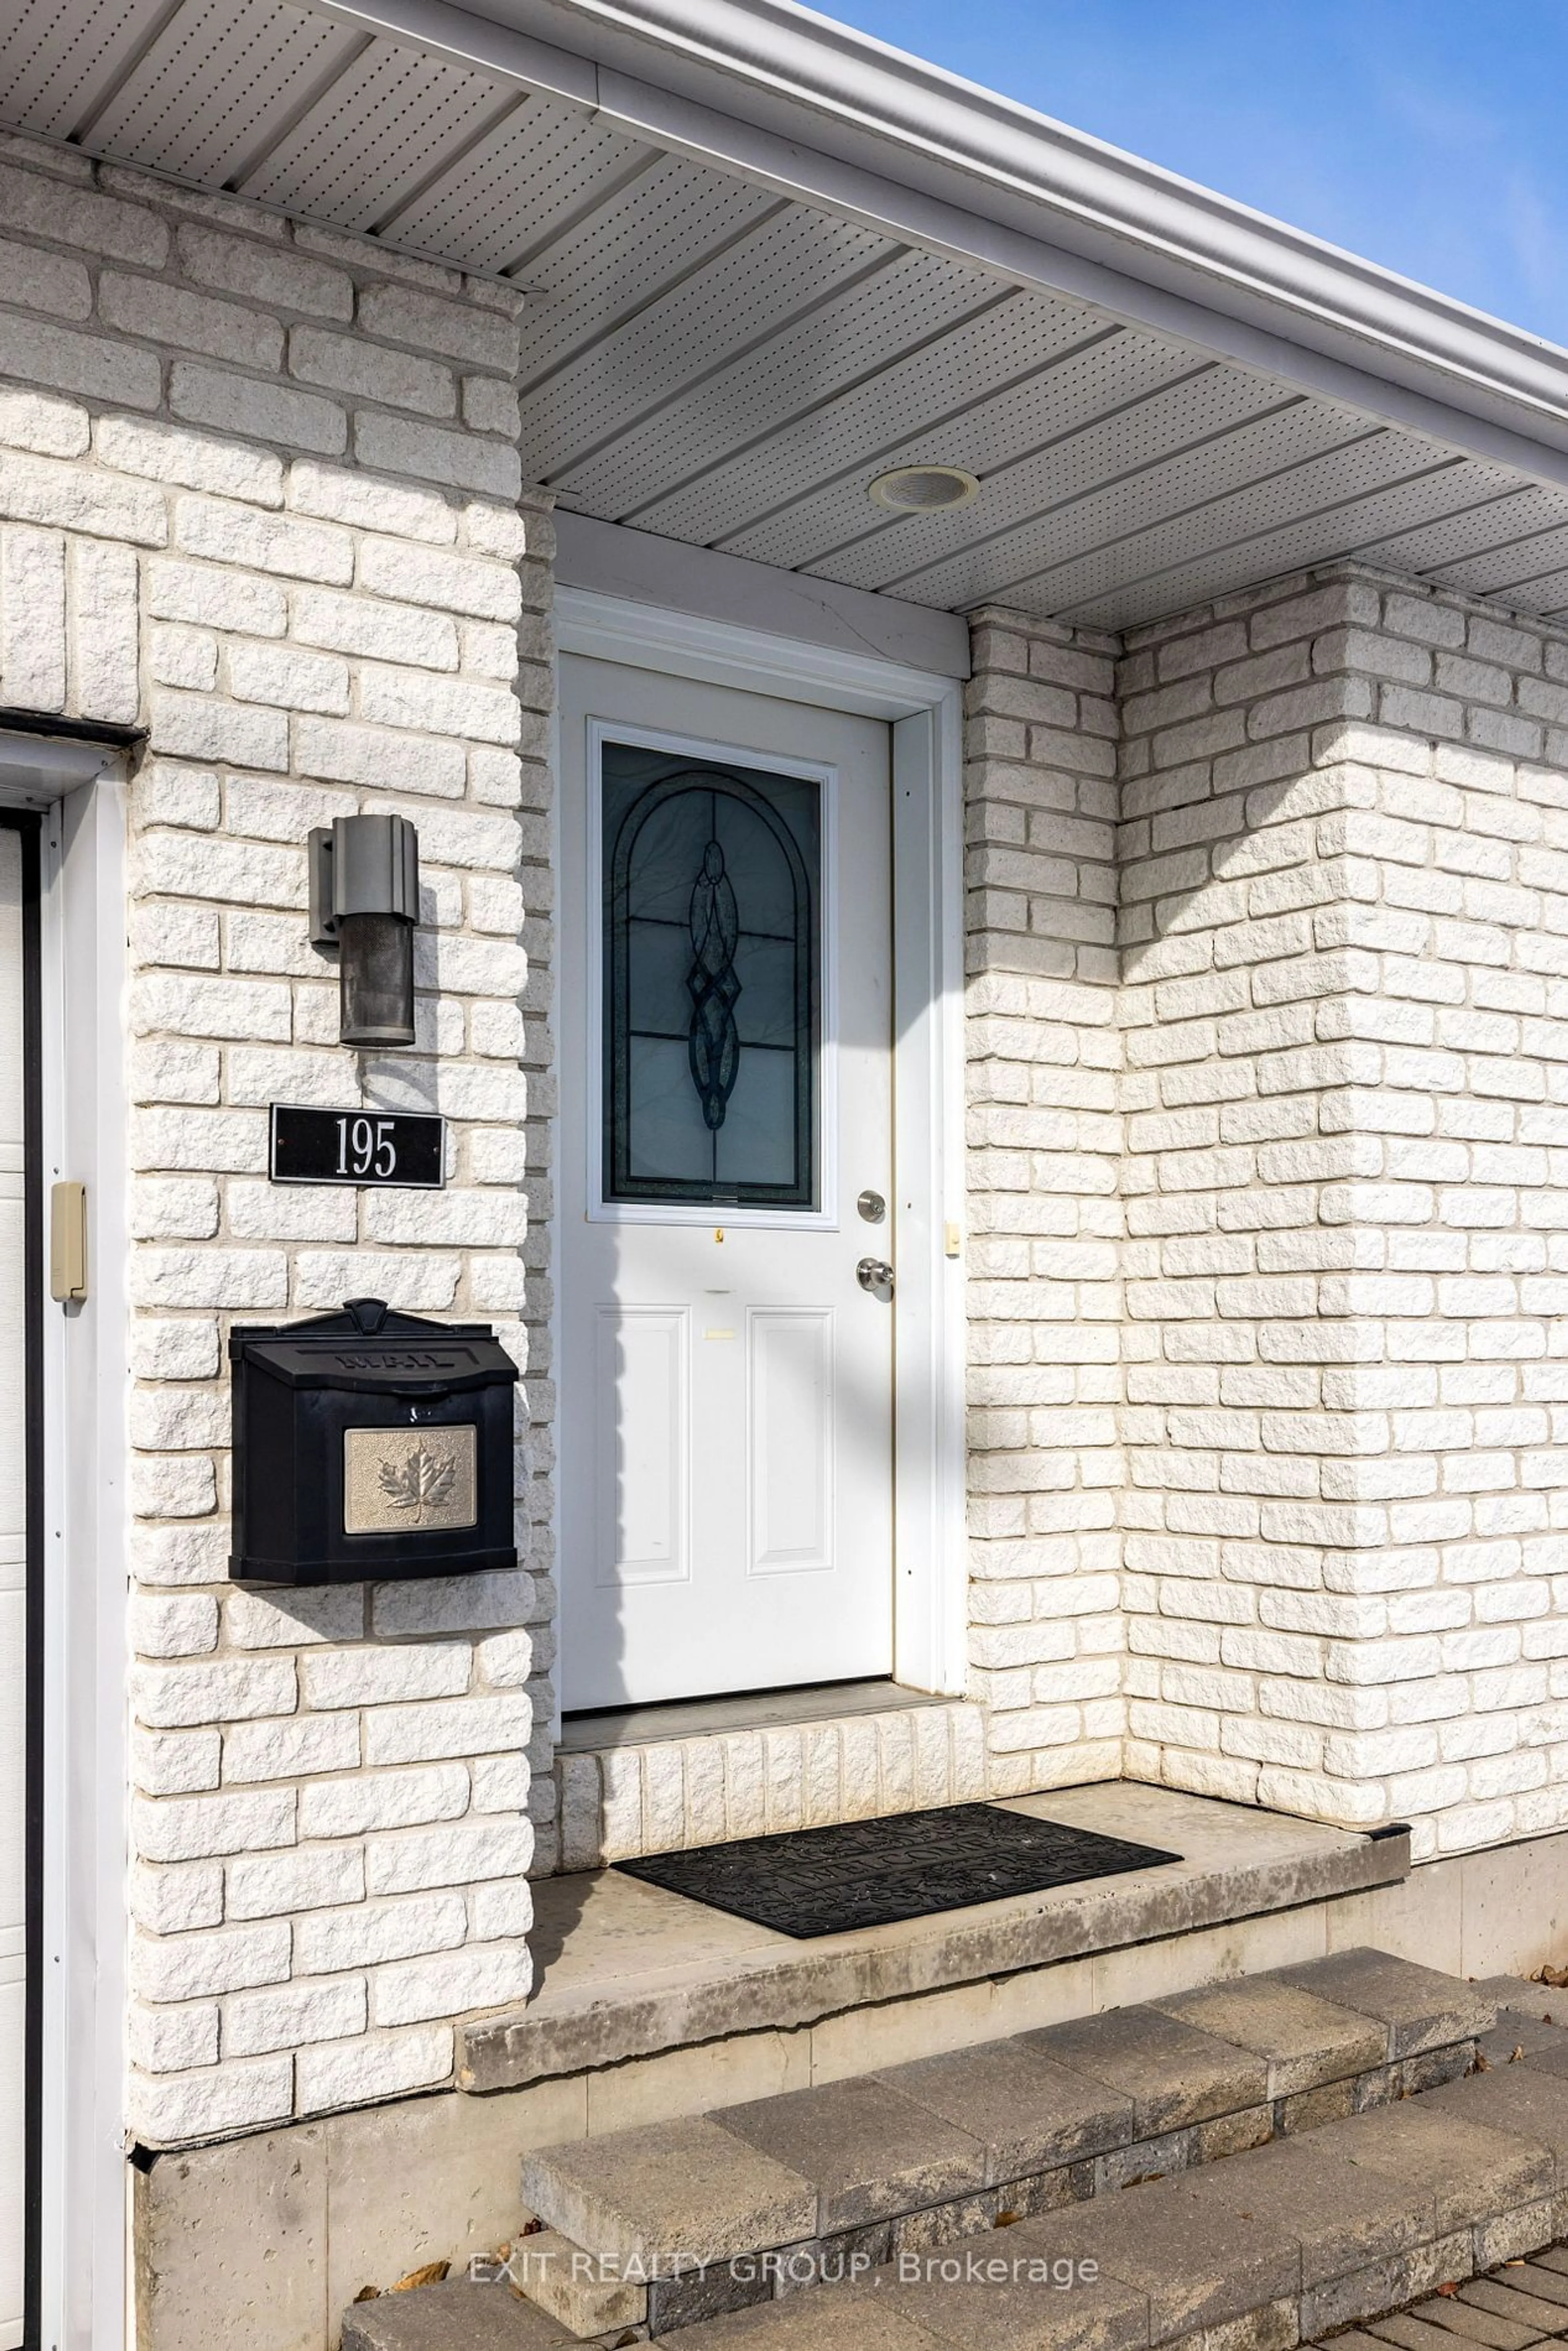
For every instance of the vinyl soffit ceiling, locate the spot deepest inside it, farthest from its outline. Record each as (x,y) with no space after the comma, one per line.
(713,362)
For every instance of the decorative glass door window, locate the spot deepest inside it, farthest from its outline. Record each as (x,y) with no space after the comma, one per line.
(712,1024)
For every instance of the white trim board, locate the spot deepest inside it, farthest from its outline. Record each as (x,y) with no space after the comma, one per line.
(639,565)
(83,2250)
(924,711)
(757,661)
(37,768)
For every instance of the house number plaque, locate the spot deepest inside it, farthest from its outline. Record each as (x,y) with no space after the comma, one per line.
(383,1148)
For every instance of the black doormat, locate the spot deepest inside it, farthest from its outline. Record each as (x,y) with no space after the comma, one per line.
(871,1872)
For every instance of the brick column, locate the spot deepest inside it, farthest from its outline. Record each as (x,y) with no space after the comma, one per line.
(1044,1141)
(1344,908)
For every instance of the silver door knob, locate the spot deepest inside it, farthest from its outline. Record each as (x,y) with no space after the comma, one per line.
(874,1274)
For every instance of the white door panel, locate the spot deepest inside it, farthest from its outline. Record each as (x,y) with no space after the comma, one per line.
(639,1485)
(726,1016)
(789,1369)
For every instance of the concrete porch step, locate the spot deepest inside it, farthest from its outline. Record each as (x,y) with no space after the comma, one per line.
(668,2224)
(625,1971)
(1366,2222)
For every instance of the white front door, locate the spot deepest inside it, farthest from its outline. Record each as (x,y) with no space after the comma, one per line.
(726,1005)
(13,1607)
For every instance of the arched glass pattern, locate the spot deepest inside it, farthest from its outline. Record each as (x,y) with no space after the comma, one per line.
(712,996)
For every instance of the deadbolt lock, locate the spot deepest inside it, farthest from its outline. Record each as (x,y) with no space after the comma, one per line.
(873,1206)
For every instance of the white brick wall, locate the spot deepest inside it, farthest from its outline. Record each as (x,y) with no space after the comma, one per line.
(1044,1138)
(1342,1474)
(1269,1216)
(259,493)
(1346,909)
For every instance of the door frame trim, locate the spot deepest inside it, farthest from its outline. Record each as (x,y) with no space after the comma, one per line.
(79,2285)
(27,827)
(925,714)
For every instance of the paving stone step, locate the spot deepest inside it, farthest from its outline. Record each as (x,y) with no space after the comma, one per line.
(1431,2225)
(684,2218)
(457,2316)
(1376,2231)
(590,2299)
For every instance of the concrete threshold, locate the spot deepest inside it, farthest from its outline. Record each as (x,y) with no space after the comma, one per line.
(703,1718)
(626,1970)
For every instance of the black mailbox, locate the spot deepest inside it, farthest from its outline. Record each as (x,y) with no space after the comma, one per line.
(369,1445)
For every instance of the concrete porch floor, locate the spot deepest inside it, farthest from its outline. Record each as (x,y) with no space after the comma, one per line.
(626,1970)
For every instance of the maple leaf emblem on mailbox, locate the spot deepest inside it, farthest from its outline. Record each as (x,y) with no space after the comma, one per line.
(421,1481)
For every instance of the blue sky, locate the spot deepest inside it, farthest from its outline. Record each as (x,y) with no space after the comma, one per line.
(1426,134)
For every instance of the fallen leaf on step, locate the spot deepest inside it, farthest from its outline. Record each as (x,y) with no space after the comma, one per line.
(1448,2289)
(1514,2054)
(431,2273)
(1482,2064)
(369,2294)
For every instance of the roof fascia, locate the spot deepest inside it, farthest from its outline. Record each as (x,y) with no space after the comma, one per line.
(829,117)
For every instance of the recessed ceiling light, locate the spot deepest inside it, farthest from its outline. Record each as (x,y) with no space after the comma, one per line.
(924,489)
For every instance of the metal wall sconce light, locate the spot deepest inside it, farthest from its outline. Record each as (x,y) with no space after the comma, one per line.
(364,904)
